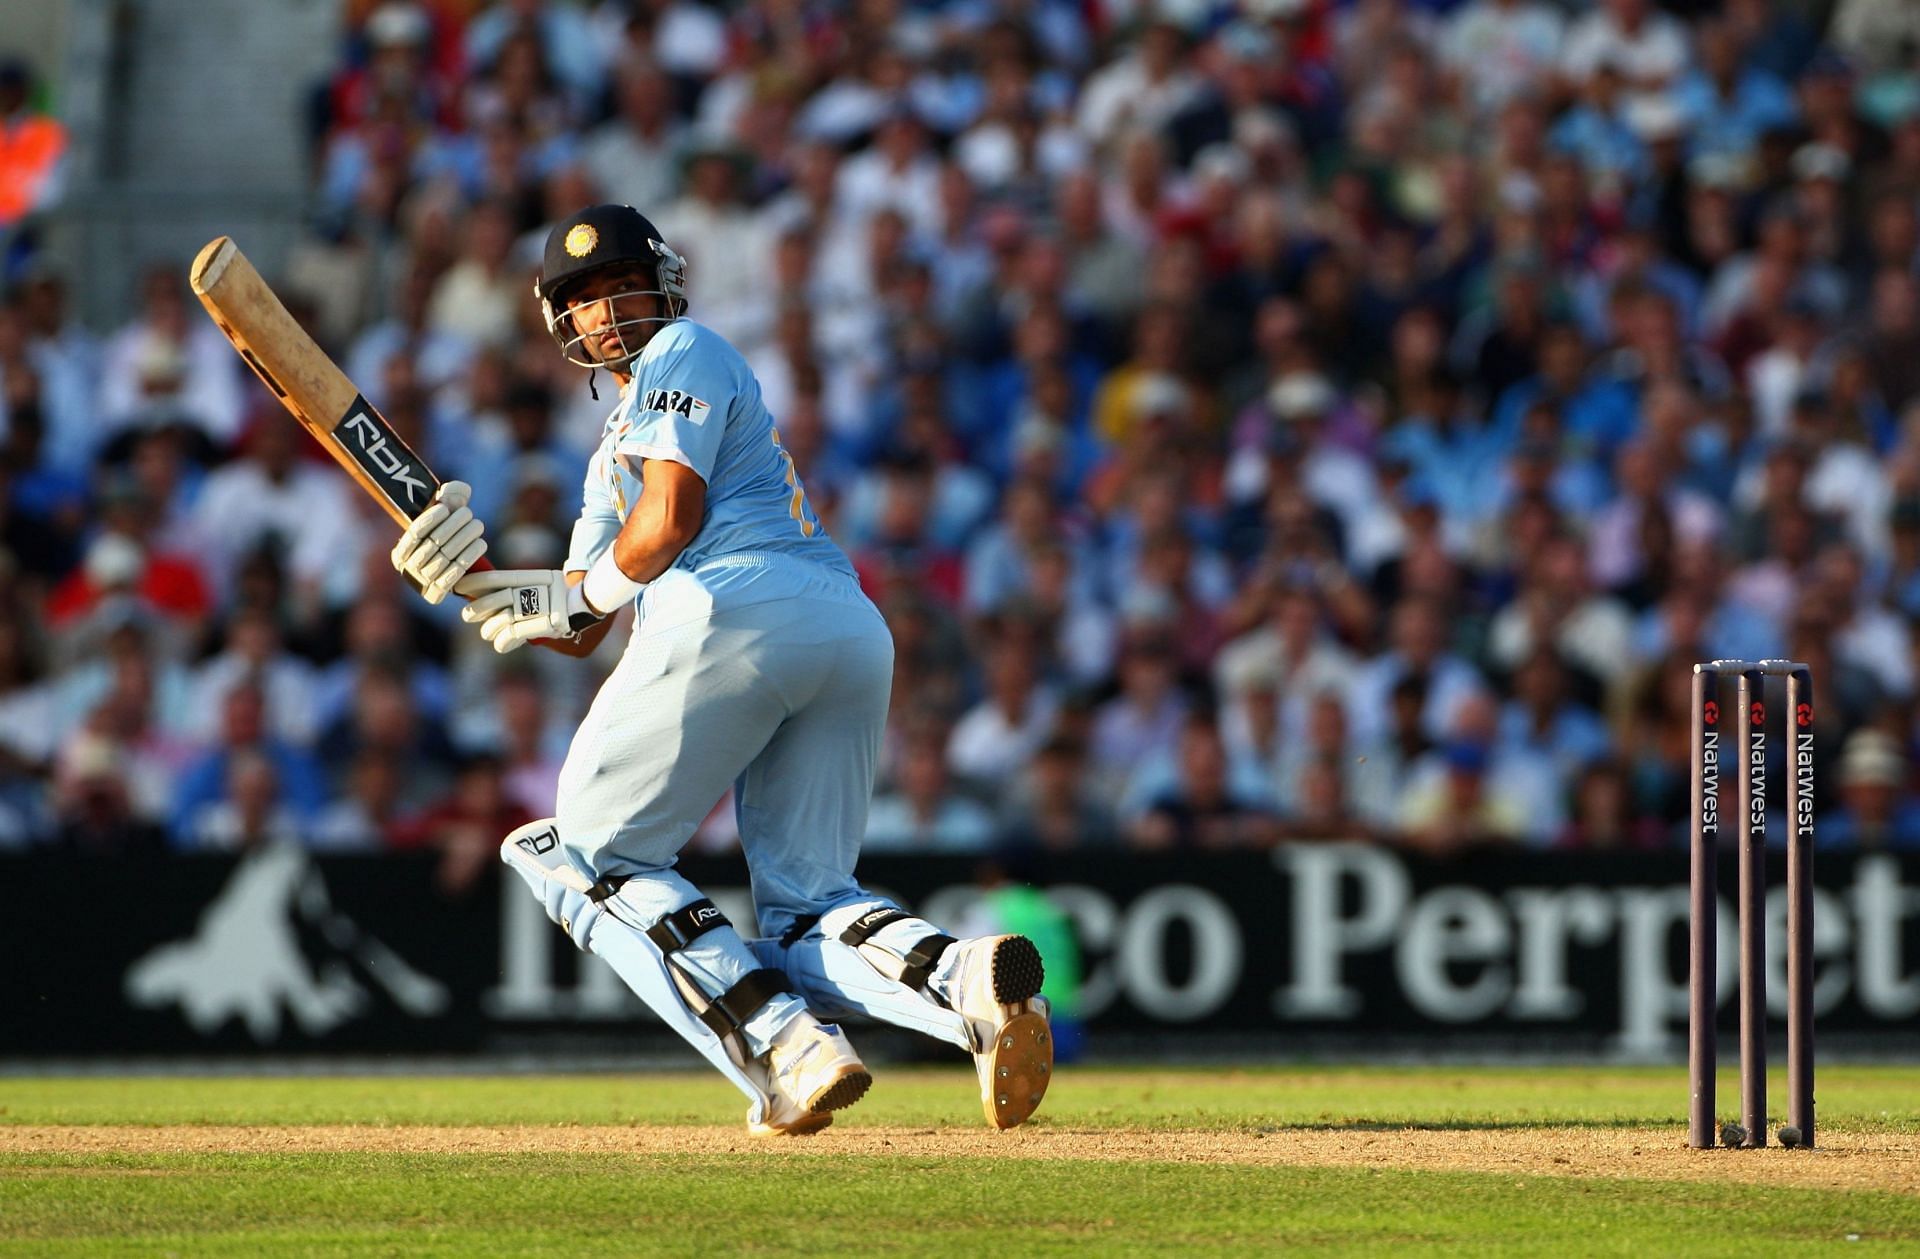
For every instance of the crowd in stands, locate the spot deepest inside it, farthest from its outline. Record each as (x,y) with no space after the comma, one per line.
(1259,421)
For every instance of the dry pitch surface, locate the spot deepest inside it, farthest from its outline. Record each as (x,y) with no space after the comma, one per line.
(1845,1160)
(1355,1160)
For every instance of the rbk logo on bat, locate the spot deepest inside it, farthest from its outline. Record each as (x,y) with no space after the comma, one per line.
(676,402)
(365,435)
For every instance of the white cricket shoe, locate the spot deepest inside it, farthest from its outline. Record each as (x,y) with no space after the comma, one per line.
(994,982)
(812,1071)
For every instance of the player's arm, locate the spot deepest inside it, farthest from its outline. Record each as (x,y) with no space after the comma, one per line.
(585,642)
(673,503)
(570,610)
(673,443)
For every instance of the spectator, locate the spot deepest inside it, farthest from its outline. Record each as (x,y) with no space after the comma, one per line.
(65,360)
(1143,722)
(532,744)
(43,511)
(479,298)
(1556,608)
(1143,89)
(1730,104)
(1602,815)
(1543,719)
(437,357)
(383,721)
(366,816)
(1649,46)
(1056,807)
(633,158)
(1502,48)
(1322,808)
(168,368)
(249,814)
(1473,789)
(1322,738)
(923,813)
(93,807)
(1617,557)
(465,824)
(1349,355)
(1102,265)
(245,730)
(33,149)
(1202,812)
(728,246)
(119,577)
(273,498)
(379,638)
(1418,651)
(1015,716)
(1292,651)
(1878,809)
(1865,632)
(569,47)
(1451,804)
(999,564)
(28,734)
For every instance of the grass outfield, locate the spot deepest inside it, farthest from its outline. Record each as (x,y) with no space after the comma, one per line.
(1354,1160)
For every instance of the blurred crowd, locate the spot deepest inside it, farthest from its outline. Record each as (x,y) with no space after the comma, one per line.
(1259,421)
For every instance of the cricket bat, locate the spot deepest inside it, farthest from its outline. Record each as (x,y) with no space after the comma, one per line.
(310,385)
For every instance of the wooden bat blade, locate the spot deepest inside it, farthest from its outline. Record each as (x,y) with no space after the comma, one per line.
(308,383)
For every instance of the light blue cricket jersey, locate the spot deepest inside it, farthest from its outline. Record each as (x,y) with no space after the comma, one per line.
(694,400)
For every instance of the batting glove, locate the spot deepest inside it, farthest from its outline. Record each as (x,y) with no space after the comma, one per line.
(513,606)
(442,543)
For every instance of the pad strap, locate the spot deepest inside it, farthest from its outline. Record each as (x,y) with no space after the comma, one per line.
(918,962)
(863,928)
(922,958)
(800,927)
(604,889)
(732,1008)
(685,925)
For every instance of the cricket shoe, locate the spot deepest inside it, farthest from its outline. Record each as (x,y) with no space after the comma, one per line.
(812,1071)
(994,983)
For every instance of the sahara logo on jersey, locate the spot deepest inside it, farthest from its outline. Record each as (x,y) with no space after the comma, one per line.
(677,402)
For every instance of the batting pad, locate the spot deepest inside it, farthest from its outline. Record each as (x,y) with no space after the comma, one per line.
(838,979)
(686,984)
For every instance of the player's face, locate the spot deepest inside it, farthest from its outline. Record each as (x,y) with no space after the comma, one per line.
(610,297)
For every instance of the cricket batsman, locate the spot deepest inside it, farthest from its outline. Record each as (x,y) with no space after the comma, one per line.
(757,663)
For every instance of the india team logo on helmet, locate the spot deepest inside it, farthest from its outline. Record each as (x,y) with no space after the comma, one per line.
(605,238)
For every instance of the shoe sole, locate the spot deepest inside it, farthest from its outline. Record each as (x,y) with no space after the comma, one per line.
(842,1092)
(1019,1068)
(805,1125)
(837,1094)
(1017,971)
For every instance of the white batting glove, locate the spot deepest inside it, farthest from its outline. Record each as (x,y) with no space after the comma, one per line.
(442,543)
(513,606)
